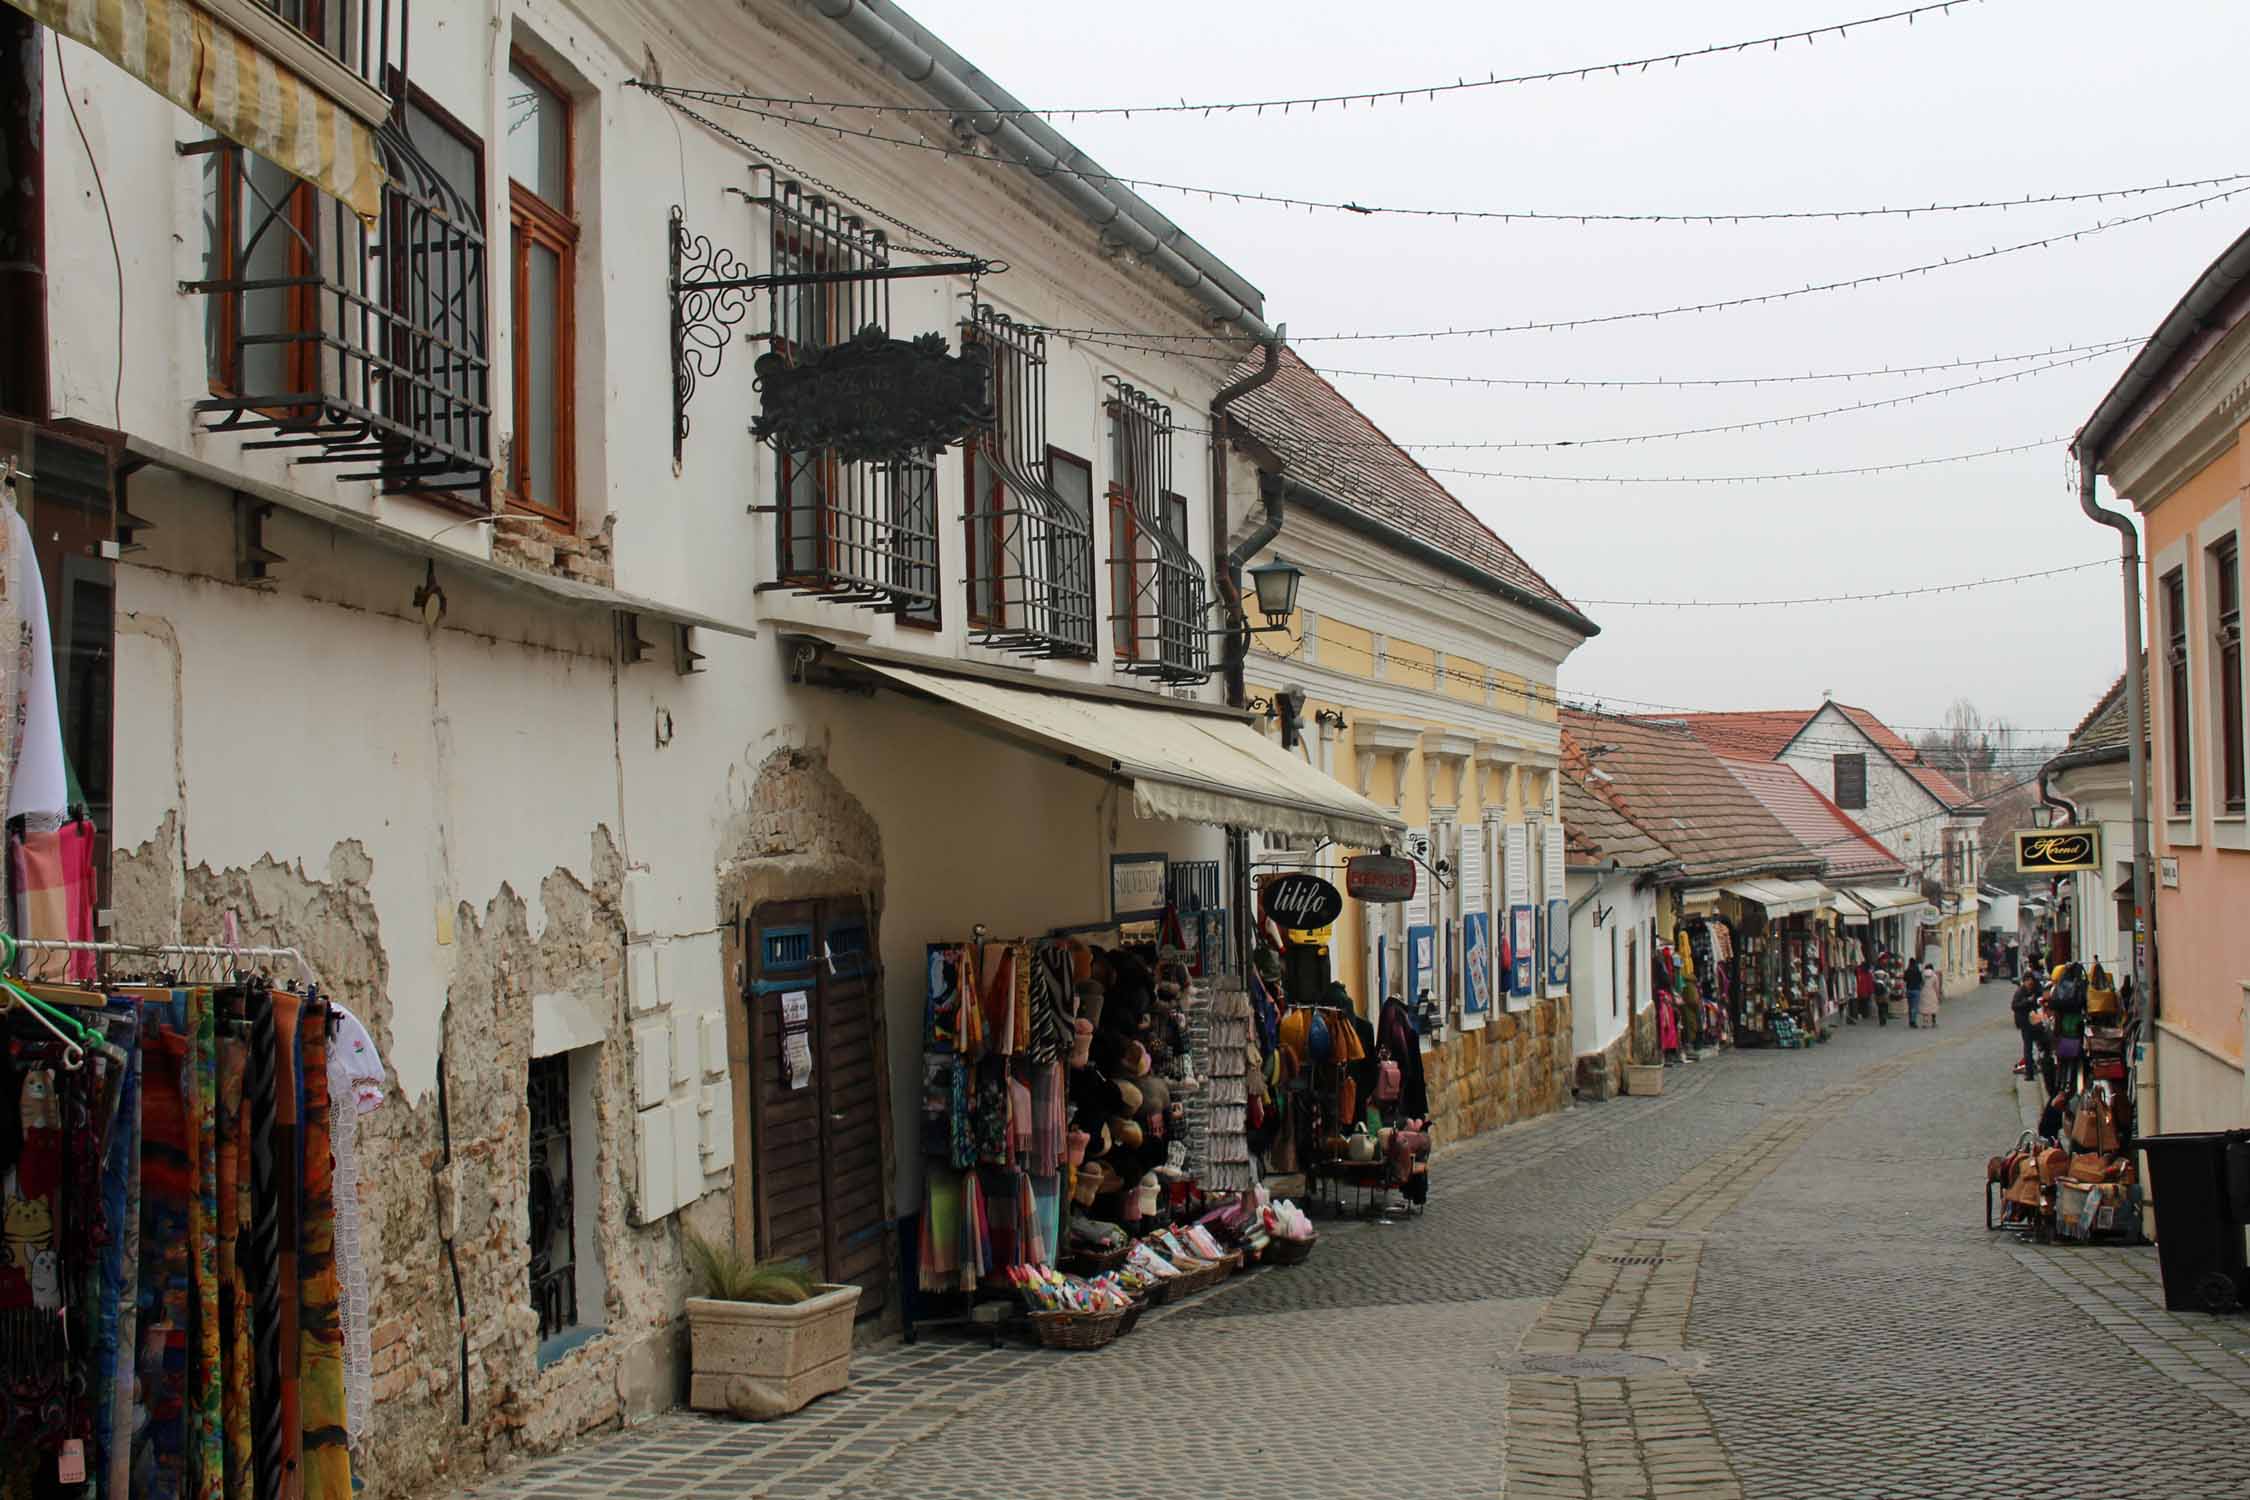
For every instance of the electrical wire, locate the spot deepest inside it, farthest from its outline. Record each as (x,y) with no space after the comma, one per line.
(1722,304)
(722,99)
(1539,383)
(1889,468)
(1900,593)
(1425,92)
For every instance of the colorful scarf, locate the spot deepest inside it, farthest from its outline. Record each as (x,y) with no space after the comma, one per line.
(206,1442)
(119,1297)
(167,1186)
(234,1290)
(328,1463)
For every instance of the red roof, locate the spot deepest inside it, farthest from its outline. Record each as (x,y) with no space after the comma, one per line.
(1672,787)
(1847,851)
(1933,780)
(1763,734)
(1332,447)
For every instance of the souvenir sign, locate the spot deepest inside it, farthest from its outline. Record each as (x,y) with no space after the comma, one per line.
(1137,886)
(1301,903)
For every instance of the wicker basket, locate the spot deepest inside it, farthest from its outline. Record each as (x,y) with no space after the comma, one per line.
(1159,1292)
(1079,1330)
(1132,1316)
(1095,1262)
(1196,1275)
(1232,1261)
(1282,1251)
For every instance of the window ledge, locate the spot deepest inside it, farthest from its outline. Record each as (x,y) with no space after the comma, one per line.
(2231,832)
(551,1350)
(307,58)
(2182,833)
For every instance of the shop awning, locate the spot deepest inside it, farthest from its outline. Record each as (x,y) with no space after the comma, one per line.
(218,74)
(1780,898)
(1184,766)
(1884,903)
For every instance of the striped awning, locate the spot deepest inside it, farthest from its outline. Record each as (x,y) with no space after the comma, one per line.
(243,92)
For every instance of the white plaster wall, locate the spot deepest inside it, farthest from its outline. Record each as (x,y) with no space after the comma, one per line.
(1627,910)
(1899,815)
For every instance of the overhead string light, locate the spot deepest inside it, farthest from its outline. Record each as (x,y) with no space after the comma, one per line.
(1647,314)
(1419,93)
(1915,592)
(1381,444)
(1889,468)
(785,115)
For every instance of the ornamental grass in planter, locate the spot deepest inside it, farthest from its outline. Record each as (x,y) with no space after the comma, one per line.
(768,1338)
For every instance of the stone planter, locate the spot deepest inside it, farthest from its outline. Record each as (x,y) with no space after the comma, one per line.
(761,1360)
(1642,1079)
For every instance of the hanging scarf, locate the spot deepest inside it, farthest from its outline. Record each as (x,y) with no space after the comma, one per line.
(117,1338)
(206,1441)
(50,1226)
(160,1447)
(328,1464)
(1050,1003)
(234,1290)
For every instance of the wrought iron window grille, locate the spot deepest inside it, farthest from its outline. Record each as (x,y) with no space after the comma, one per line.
(1029,552)
(1158,593)
(360,348)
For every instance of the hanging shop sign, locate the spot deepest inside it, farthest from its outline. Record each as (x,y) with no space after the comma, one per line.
(2052,851)
(1380,877)
(1301,903)
(872,398)
(1137,886)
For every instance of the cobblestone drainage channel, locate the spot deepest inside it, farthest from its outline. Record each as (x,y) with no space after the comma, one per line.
(1614,1364)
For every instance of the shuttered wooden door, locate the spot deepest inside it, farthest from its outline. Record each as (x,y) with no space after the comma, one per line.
(816,1109)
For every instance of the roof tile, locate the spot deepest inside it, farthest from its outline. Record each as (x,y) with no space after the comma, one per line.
(1676,789)
(1846,850)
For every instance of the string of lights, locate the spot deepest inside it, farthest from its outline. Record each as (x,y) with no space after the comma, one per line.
(1889,468)
(1914,592)
(780,114)
(1422,92)
(1381,444)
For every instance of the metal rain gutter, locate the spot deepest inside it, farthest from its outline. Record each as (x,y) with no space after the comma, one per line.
(1117,211)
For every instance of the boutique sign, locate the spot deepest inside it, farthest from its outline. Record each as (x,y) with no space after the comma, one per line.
(1380,877)
(1301,903)
(2055,851)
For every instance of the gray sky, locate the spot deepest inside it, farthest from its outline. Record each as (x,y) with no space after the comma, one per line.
(1999,99)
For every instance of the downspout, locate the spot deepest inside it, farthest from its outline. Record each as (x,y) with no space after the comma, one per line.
(1269,527)
(2068,808)
(2136,744)
(1230,593)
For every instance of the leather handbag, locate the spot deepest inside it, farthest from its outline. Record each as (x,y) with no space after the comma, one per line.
(1388,1081)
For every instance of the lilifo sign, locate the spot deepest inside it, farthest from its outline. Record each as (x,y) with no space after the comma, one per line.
(1301,903)
(1379,877)
(2052,851)
(873,399)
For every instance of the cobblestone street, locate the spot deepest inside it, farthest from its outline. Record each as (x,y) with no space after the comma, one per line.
(1771,1281)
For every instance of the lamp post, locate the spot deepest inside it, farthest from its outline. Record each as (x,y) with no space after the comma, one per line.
(1276,585)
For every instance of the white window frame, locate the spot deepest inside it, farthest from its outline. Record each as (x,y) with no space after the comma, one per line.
(2180,830)
(2228,830)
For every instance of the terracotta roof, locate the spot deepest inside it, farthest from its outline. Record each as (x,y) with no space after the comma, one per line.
(1332,447)
(1675,788)
(1596,829)
(1847,851)
(1763,733)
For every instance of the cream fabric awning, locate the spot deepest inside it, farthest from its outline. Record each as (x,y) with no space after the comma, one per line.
(243,92)
(1780,898)
(1884,903)
(1188,767)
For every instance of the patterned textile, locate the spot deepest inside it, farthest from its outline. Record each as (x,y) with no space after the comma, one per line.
(160,1439)
(1050,1003)
(347,1102)
(328,1463)
(234,1289)
(115,1338)
(206,1445)
(289,1176)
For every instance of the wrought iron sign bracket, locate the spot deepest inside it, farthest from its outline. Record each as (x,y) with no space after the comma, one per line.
(711,292)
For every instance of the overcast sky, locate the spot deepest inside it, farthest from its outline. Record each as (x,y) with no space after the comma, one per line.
(1998,99)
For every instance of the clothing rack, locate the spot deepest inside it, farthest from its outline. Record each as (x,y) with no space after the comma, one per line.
(168,950)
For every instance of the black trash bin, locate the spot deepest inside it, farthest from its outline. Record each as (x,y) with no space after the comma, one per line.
(2200,1181)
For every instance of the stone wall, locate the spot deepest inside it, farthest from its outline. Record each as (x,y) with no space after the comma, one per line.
(1517,1067)
(1601,1075)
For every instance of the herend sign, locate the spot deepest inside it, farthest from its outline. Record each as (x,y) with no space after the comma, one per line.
(873,398)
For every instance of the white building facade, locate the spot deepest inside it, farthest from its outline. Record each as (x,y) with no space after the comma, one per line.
(562,733)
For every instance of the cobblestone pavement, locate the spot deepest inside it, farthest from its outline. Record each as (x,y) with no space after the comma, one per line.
(1772,1280)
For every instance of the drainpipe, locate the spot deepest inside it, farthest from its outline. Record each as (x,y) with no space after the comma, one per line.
(1230,574)
(2136,745)
(2068,808)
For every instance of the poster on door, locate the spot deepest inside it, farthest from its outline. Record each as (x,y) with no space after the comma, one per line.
(1421,962)
(1558,945)
(1476,938)
(1523,949)
(796,1038)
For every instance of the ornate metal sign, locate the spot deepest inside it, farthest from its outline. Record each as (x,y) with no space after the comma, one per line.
(1380,877)
(1301,903)
(874,398)
(2052,851)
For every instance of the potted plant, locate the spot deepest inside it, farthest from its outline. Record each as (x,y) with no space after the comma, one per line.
(768,1338)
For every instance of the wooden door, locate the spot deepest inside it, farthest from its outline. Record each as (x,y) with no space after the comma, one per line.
(814,997)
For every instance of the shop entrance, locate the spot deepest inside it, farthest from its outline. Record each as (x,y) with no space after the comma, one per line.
(814,995)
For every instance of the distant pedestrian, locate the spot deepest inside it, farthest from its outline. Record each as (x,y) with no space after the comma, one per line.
(2023,1005)
(1933,992)
(1913,993)
(1863,993)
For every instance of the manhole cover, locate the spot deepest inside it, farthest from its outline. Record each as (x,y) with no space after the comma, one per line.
(1634,1260)
(1609,1365)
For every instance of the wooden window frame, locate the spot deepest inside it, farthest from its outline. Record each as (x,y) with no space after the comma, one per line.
(1124,574)
(1859,804)
(993,500)
(2179,717)
(476,502)
(2227,705)
(1064,457)
(829,470)
(303,215)
(533,221)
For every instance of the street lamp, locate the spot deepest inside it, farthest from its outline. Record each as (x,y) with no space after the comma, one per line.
(1276,583)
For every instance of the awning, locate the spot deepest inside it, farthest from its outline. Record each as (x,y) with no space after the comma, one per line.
(245,93)
(1885,903)
(1184,766)
(1780,898)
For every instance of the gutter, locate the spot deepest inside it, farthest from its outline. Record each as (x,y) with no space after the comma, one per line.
(1268,527)
(1122,215)
(1440,559)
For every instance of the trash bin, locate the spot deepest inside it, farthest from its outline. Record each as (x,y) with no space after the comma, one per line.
(2200,1181)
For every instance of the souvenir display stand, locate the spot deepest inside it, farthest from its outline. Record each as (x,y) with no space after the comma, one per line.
(186,1308)
(2083,1183)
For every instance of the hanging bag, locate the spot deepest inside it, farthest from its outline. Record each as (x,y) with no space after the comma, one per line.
(1388,1081)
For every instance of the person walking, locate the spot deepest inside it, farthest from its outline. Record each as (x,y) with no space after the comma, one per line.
(1863,993)
(2022,1004)
(1913,993)
(1933,992)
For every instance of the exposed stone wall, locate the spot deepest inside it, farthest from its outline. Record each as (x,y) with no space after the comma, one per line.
(534,547)
(1517,1067)
(1601,1075)
(420,1439)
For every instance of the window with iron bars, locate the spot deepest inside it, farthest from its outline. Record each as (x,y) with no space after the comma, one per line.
(363,348)
(1029,549)
(337,27)
(1158,597)
(852,533)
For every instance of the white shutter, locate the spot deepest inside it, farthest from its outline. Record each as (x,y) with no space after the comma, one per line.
(1519,865)
(1554,862)
(1418,905)
(1472,873)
